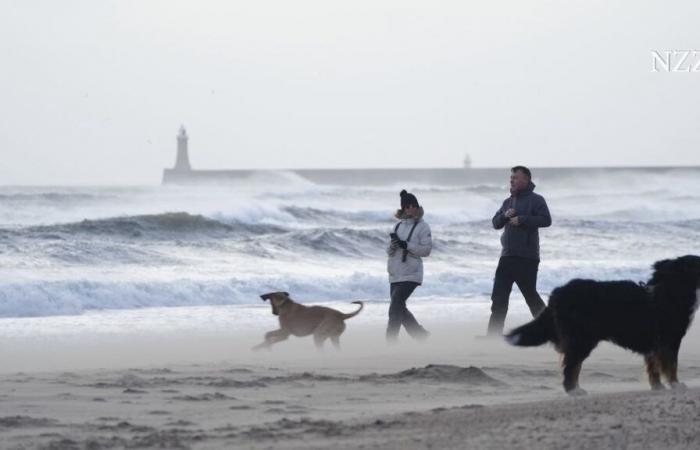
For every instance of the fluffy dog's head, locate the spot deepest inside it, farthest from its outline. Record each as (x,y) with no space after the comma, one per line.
(276,300)
(684,268)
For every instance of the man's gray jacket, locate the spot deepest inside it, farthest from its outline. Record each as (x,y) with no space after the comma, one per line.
(523,240)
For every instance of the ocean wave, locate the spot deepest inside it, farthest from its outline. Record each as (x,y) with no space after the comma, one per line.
(54,197)
(179,238)
(343,241)
(152,226)
(693,224)
(486,189)
(75,296)
(318,215)
(284,180)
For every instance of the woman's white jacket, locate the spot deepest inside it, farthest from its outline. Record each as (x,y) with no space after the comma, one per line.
(419,246)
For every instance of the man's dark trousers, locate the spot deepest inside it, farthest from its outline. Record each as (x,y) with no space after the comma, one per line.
(518,270)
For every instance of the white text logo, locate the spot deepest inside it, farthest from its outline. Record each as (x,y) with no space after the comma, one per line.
(675,61)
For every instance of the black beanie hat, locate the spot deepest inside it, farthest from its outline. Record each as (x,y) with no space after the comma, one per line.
(408,199)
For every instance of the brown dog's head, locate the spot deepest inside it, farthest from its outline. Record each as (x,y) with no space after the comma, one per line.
(276,300)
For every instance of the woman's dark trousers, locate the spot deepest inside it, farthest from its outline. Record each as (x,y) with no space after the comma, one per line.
(400,315)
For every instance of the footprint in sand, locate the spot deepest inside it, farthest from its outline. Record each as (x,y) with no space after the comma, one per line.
(276,411)
(68,375)
(234,370)
(296,409)
(134,391)
(204,397)
(600,375)
(180,423)
(240,407)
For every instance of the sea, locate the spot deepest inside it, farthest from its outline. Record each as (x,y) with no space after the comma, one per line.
(170,257)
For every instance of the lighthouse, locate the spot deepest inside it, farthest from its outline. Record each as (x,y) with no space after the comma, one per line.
(182,162)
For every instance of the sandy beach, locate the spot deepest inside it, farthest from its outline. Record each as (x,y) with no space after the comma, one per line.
(207,390)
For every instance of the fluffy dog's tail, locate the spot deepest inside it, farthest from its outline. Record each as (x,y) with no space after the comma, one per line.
(538,332)
(353,314)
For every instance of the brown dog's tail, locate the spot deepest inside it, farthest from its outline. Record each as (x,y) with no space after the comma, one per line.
(353,314)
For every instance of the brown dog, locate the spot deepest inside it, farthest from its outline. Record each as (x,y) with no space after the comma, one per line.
(299,320)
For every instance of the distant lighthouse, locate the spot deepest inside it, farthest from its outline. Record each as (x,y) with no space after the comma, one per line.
(182,162)
(467,161)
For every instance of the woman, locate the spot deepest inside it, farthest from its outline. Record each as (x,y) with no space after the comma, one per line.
(410,241)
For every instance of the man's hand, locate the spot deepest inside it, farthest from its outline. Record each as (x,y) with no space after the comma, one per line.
(515,221)
(510,213)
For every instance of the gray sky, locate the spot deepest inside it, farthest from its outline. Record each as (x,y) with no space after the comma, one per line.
(94,91)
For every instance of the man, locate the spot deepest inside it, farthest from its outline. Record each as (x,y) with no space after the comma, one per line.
(521,215)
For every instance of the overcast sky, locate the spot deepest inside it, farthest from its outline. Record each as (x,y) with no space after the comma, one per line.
(95,91)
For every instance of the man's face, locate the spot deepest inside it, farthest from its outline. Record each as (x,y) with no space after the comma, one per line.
(518,181)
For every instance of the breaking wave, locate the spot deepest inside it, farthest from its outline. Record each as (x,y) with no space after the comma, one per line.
(155,226)
(73,297)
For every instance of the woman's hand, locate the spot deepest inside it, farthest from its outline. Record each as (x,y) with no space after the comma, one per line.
(399,243)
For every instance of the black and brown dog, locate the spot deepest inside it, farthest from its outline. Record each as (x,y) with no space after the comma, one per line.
(649,319)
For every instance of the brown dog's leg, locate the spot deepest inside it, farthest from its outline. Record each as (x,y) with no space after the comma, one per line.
(319,339)
(652,364)
(335,340)
(272,337)
(329,328)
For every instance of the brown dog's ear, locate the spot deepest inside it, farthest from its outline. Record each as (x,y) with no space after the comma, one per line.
(286,294)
